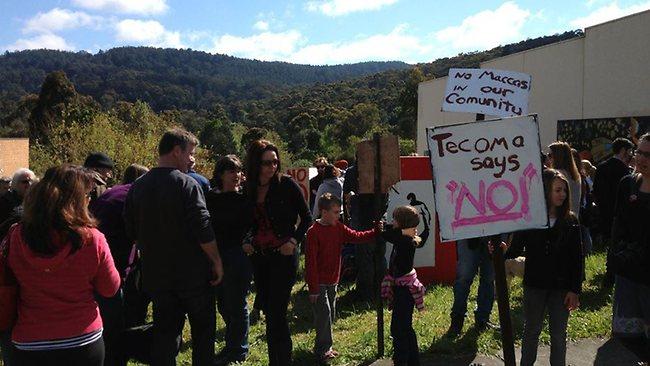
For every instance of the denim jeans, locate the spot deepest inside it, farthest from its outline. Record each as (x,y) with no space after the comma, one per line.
(471,262)
(231,300)
(275,275)
(324,315)
(405,341)
(169,309)
(536,303)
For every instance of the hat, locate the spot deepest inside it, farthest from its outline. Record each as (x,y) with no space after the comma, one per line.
(98,160)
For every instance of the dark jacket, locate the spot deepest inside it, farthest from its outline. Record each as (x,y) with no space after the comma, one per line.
(554,259)
(8,203)
(606,179)
(401,257)
(631,231)
(284,204)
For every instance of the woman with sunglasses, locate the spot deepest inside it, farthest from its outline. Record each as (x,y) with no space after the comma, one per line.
(630,256)
(278,204)
(231,219)
(60,260)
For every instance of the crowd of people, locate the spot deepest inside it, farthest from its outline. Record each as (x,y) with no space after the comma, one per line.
(90,258)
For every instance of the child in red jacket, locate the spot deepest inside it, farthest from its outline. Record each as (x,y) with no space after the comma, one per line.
(325,240)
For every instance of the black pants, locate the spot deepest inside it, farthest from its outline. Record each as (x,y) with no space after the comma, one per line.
(405,342)
(7,348)
(169,309)
(88,355)
(112,311)
(275,275)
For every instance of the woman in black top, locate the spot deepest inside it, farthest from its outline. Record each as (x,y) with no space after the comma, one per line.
(278,204)
(630,257)
(231,220)
(554,271)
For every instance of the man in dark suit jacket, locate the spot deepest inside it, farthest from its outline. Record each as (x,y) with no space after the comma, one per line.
(608,174)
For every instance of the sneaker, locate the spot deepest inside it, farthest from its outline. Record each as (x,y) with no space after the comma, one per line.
(456,326)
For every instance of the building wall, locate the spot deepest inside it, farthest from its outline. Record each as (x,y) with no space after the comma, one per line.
(606,73)
(617,68)
(14,154)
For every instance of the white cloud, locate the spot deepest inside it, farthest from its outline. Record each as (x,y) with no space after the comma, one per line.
(342,7)
(264,46)
(607,13)
(396,45)
(59,19)
(261,25)
(486,29)
(291,46)
(48,41)
(147,33)
(141,7)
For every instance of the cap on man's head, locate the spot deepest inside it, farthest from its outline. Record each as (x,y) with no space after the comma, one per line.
(98,160)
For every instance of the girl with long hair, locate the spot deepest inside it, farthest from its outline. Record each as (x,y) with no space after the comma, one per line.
(561,158)
(554,271)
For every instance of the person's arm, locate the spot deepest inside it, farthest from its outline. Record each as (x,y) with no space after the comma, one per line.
(311,264)
(129,216)
(354,237)
(197,218)
(315,213)
(517,245)
(619,226)
(303,211)
(107,280)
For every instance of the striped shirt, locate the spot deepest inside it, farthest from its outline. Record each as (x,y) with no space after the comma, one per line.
(65,343)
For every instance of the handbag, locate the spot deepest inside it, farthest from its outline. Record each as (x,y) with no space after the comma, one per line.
(8,286)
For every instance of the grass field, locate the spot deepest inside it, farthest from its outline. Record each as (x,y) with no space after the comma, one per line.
(355,337)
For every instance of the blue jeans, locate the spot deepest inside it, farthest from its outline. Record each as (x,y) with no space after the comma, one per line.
(231,300)
(470,262)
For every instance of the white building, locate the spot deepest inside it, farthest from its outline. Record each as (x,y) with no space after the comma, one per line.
(604,74)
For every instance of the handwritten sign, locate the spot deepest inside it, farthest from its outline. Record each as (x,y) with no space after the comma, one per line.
(488,91)
(487,177)
(301,176)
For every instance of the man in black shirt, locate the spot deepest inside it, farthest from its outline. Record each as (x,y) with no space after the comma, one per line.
(608,174)
(165,213)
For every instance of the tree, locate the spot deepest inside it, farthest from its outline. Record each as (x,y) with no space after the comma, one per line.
(407,115)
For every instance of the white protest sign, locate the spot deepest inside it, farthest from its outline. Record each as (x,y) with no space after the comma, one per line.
(488,91)
(487,177)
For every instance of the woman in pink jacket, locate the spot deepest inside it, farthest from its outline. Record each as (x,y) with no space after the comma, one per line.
(60,260)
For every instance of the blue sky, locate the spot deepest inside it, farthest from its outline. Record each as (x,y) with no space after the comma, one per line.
(299,31)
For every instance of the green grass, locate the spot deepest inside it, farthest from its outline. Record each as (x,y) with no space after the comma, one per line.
(355,337)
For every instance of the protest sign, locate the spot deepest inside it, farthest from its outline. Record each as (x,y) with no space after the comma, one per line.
(487,91)
(301,176)
(487,177)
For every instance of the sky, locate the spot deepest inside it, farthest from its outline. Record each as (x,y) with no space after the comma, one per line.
(317,32)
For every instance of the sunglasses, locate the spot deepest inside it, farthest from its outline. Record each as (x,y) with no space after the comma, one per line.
(26,181)
(645,154)
(269,163)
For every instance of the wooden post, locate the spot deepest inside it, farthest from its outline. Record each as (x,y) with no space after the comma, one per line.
(503,302)
(379,255)
(503,299)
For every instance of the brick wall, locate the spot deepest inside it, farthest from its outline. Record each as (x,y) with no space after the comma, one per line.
(14,154)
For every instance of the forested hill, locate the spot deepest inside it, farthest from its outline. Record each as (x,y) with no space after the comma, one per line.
(168,78)
(227,101)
